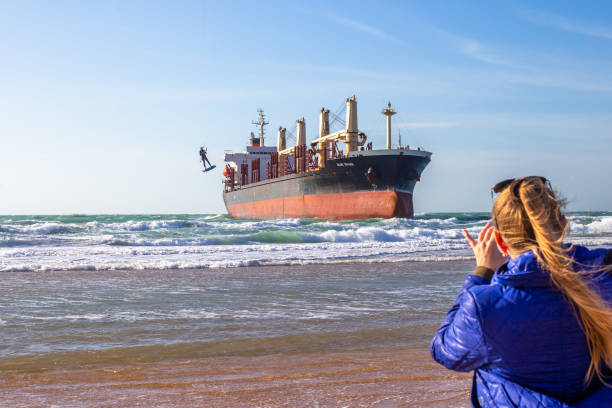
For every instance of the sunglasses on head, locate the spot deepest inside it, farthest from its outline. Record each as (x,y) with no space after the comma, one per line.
(502,185)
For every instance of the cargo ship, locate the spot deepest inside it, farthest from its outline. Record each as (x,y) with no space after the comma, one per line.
(320,179)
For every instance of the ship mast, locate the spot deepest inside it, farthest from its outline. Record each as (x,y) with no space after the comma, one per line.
(261,122)
(388,112)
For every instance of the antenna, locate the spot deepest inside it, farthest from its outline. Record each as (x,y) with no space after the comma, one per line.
(261,122)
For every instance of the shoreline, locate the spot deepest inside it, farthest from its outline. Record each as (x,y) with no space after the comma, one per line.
(367,260)
(424,260)
(296,343)
(316,332)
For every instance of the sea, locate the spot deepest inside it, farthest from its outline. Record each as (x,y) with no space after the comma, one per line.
(79,290)
(122,242)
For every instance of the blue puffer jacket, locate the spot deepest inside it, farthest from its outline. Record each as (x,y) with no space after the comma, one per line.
(522,337)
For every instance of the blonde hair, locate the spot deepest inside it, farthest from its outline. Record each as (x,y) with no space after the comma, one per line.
(528,216)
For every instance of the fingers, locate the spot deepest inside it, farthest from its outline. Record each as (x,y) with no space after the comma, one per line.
(469,238)
(490,245)
(484,231)
(485,249)
(488,236)
(481,237)
(485,237)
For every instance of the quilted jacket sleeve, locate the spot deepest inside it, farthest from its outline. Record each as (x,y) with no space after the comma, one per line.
(459,342)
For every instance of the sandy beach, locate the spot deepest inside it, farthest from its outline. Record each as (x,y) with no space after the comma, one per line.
(351,335)
(398,377)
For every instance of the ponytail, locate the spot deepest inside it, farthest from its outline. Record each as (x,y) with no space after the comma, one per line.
(528,216)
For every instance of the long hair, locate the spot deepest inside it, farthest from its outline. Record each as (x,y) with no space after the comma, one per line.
(528,216)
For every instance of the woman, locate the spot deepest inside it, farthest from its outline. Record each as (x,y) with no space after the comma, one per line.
(534,320)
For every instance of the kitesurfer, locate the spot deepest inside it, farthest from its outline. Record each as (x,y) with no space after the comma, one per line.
(203,152)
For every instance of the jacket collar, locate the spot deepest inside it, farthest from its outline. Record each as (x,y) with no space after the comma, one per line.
(522,272)
(525,272)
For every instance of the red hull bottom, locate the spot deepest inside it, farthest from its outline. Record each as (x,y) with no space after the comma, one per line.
(339,206)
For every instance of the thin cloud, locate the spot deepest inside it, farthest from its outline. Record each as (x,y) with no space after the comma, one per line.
(362,27)
(565,24)
(471,48)
(322,69)
(425,125)
(560,82)
(476,50)
(354,24)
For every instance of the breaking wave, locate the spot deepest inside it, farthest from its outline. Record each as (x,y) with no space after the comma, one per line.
(592,225)
(216,241)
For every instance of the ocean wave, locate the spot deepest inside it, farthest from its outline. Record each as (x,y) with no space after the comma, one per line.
(218,223)
(362,234)
(127,242)
(216,241)
(216,217)
(49,228)
(374,234)
(284,236)
(12,243)
(71,317)
(218,258)
(142,225)
(597,225)
(37,228)
(129,316)
(592,242)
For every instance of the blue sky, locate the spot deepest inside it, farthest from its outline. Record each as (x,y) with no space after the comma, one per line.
(105,104)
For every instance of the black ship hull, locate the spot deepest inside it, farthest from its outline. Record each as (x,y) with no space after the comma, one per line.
(366,184)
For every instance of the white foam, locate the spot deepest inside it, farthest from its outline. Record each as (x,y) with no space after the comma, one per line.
(130,316)
(377,234)
(148,225)
(215,242)
(224,256)
(37,228)
(71,317)
(600,225)
(214,217)
(359,235)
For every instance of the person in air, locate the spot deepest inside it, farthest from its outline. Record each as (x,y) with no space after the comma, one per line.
(204,158)
(534,320)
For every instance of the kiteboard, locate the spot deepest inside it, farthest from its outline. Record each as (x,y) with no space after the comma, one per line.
(209,169)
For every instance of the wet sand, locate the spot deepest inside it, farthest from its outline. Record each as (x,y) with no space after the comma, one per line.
(351,335)
(400,377)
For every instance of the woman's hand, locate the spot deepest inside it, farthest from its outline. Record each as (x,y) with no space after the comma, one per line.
(485,249)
